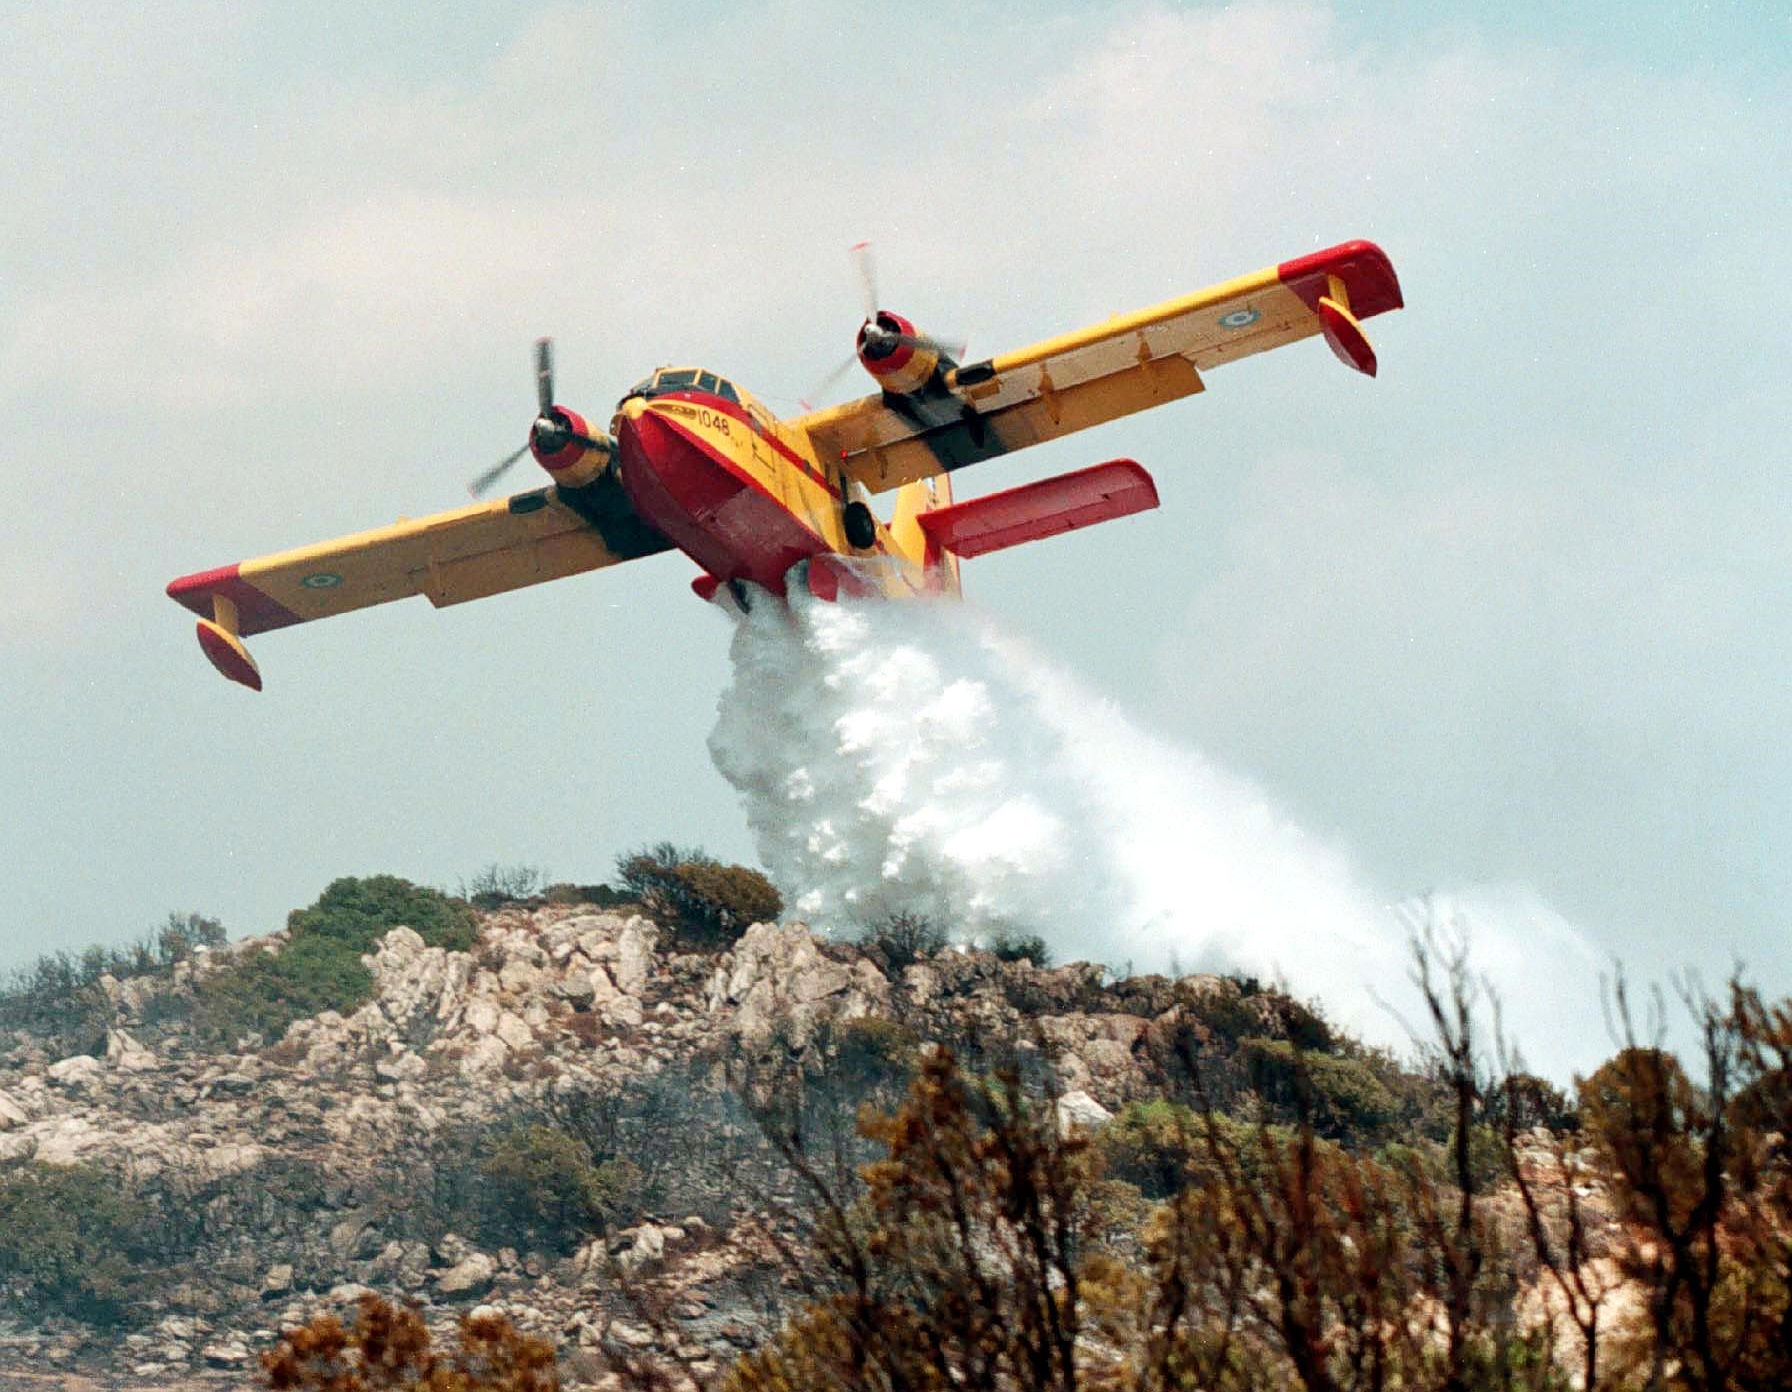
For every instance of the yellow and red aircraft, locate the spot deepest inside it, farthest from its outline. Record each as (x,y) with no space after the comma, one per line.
(693,462)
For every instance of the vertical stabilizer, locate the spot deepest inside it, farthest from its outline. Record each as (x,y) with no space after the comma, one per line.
(913,500)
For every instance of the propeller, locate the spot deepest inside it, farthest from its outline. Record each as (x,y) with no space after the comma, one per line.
(879,338)
(551,430)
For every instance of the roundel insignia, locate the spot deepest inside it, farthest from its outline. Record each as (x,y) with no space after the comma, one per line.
(323,580)
(1239,319)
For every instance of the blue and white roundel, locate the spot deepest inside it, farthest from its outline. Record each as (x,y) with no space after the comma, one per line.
(1239,319)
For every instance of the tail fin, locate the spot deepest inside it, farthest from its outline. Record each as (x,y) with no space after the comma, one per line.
(914,501)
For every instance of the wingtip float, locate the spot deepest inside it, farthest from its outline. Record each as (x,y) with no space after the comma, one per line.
(693,462)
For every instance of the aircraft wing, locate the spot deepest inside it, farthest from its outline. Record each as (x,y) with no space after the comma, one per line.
(982,409)
(468,553)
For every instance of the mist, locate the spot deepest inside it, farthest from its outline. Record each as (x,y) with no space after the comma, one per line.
(915,758)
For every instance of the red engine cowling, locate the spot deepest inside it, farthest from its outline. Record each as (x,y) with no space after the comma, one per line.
(563,445)
(897,355)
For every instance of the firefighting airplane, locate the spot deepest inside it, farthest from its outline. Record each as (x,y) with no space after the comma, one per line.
(692,462)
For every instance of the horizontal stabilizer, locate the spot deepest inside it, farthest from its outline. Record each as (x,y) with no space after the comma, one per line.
(1033,511)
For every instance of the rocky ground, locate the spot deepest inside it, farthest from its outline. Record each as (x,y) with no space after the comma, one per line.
(298,1160)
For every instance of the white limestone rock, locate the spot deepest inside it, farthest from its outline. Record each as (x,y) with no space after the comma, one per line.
(79,1073)
(472,1275)
(127,1055)
(12,1114)
(634,956)
(1079,1109)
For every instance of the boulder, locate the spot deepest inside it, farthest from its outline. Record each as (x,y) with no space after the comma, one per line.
(229,1352)
(79,1073)
(1080,1109)
(127,1055)
(471,1275)
(512,1030)
(518,976)
(484,1059)
(403,1067)
(11,1113)
(482,1015)
(634,956)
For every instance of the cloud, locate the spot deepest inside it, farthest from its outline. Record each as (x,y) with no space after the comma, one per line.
(1516,612)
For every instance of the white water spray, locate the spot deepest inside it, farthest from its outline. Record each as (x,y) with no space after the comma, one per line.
(911,758)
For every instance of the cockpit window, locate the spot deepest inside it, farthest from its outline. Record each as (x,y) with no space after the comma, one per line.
(683,379)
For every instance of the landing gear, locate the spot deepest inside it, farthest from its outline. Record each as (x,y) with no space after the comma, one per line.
(861,526)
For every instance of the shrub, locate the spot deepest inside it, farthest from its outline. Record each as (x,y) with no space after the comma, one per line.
(320,968)
(1525,1101)
(1341,1098)
(71,1240)
(1016,947)
(359,912)
(59,999)
(1161,1147)
(599,894)
(902,939)
(544,1182)
(264,993)
(498,885)
(1252,1010)
(389,1347)
(874,1049)
(703,902)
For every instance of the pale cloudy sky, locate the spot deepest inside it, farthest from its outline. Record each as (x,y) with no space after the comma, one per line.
(1518,613)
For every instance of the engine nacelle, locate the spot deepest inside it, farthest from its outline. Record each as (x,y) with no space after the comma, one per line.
(897,355)
(563,444)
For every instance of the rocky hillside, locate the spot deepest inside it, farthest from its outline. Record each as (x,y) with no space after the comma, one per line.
(276,1179)
(611,1133)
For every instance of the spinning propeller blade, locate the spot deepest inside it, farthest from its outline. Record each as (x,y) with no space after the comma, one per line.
(544,374)
(551,429)
(481,485)
(861,255)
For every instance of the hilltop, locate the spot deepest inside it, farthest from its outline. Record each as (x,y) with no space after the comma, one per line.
(595,1121)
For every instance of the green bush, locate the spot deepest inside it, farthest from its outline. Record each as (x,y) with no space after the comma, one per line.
(703,902)
(360,912)
(1159,1147)
(1254,1010)
(875,1049)
(1524,1101)
(71,1241)
(59,999)
(600,895)
(1016,947)
(265,993)
(545,1184)
(320,968)
(1341,1097)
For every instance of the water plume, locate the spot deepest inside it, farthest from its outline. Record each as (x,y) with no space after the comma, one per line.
(913,758)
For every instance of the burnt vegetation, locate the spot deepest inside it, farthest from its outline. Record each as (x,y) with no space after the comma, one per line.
(1638,1237)
(1269,1204)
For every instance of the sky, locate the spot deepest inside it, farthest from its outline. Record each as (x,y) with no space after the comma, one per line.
(1517,613)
